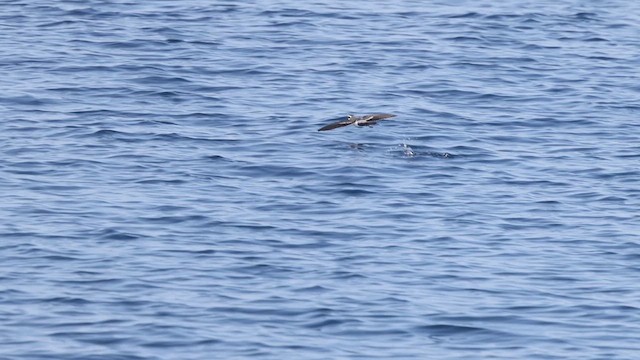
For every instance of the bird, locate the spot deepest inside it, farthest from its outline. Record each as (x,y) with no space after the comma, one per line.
(366,120)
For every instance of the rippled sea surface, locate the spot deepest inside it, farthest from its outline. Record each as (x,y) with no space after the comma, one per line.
(165,193)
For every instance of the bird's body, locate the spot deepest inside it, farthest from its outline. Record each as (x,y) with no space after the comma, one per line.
(366,120)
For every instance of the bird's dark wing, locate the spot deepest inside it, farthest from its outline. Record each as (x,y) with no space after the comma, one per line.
(335,125)
(376,117)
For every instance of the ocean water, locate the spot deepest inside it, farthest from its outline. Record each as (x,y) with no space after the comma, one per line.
(165,193)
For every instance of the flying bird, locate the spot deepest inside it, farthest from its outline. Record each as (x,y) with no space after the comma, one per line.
(366,120)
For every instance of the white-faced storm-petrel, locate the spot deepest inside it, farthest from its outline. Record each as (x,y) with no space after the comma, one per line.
(366,120)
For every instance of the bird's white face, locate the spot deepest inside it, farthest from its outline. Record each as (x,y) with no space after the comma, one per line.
(350,117)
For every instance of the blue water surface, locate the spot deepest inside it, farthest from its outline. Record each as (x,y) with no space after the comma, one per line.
(165,193)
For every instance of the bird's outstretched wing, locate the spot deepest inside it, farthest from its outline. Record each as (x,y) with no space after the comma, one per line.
(335,125)
(376,117)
